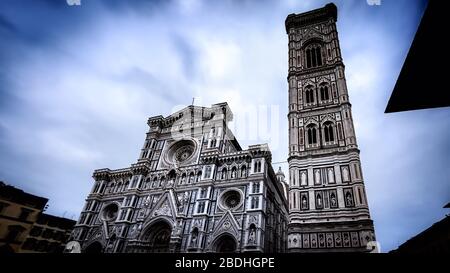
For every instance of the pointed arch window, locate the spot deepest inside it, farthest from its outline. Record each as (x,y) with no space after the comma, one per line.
(208,172)
(256,187)
(254,202)
(223,174)
(309,94)
(162,183)
(340,131)
(324,92)
(257,166)
(183,179)
(328,131)
(313,56)
(311,132)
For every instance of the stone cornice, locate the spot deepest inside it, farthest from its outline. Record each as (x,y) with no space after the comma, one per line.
(329,11)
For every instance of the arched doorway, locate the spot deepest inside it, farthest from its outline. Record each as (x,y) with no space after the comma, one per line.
(158,237)
(225,244)
(95,247)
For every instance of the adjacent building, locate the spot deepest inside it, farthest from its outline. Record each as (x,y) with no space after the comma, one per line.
(435,240)
(49,234)
(328,207)
(18,212)
(192,189)
(25,228)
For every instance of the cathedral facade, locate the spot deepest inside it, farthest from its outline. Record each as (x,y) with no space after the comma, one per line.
(193,189)
(328,206)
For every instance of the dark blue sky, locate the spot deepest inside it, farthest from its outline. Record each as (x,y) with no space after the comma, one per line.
(77,84)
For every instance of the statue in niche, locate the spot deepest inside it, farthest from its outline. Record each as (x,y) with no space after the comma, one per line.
(349,199)
(135,230)
(182,199)
(147,201)
(194,237)
(333,200)
(304,202)
(319,200)
(303,178)
(252,234)
(169,183)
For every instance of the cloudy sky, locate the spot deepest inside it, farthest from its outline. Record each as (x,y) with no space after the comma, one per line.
(77,84)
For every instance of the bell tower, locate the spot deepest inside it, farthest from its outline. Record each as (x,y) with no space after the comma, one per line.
(328,206)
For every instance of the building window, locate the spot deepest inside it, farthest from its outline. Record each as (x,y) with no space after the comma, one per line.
(328,132)
(191,178)
(313,56)
(199,175)
(122,215)
(24,214)
(254,202)
(309,94)
(340,131)
(36,231)
(208,172)
(257,166)
(112,187)
(134,183)
(48,233)
(324,92)
(119,187)
(223,174)
(360,196)
(96,187)
(301,137)
(14,232)
(29,244)
(183,179)
(162,182)
(3,206)
(311,132)
(203,192)
(256,187)
(201,207)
